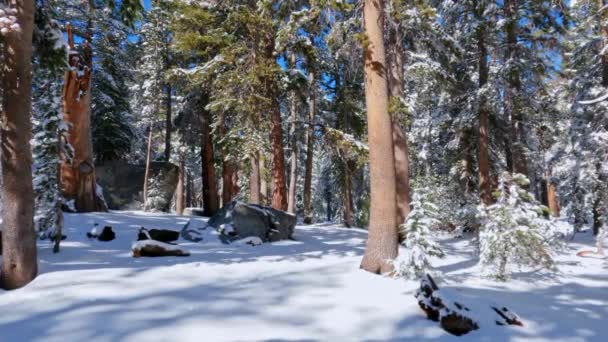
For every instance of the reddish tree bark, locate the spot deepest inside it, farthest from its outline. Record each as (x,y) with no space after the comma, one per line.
(210,193)
(19,255)
(395,61)
(382,242)
(78,178)
(254,180)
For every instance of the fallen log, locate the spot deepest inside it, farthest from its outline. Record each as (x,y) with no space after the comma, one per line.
(453,316)
(162,235)
(153,248)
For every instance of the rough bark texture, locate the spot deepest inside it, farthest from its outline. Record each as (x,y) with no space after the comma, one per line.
(263,180)
(179,192)
(512,109)
(310,142)
(211,201)
(279,181)
(395,81)
(229,179)
(78,178)
(19,255)
(168,124)
(254,179)
(382,241)
(485,186)
(552,200)
(293,167)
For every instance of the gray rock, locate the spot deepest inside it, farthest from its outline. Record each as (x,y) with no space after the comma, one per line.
(122,185)
(254,220)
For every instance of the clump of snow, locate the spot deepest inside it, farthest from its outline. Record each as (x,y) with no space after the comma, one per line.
(251,240)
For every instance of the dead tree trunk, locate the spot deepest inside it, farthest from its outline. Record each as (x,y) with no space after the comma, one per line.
(78,178)
(19,255)
(383,239)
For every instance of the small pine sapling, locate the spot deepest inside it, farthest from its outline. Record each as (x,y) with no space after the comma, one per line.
(414,262)
(516,230)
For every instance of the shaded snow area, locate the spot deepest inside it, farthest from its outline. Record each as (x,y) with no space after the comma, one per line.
(305,290)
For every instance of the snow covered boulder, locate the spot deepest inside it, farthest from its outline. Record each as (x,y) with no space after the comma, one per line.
(239,220)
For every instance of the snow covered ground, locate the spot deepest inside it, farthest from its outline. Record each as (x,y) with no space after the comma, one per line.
(305,290)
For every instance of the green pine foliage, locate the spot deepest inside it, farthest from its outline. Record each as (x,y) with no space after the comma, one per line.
(517,230)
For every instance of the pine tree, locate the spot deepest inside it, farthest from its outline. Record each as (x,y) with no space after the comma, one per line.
(516,230)
(50,139)
(418,245)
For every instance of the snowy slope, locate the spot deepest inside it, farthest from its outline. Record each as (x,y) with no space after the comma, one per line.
(309,289)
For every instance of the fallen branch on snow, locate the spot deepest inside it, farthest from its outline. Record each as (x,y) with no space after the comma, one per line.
(454,317)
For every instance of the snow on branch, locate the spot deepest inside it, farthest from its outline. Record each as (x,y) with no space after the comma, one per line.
(594,101)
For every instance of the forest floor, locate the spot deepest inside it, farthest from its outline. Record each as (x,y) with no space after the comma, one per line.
(310,289)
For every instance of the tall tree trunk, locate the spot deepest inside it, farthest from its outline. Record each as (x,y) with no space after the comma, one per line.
(210,194)
(348,196)
(395,61)
(264,199)
(382,242)
(147,173)
(552,197)
(179,192)
(279,183)
(189,191)
(310,142)
(19,255)
(78,178)
(603,15)
(511,105)
(255,180)
(168,124)
(485,185)
(293,171)
(228,168)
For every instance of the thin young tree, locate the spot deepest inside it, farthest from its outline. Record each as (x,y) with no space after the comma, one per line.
(382,243)
(19,255)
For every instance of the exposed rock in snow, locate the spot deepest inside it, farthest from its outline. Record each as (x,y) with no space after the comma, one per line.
(239,220)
